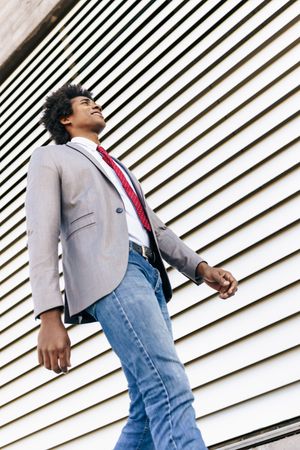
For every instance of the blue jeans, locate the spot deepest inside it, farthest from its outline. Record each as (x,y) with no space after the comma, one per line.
(135,320)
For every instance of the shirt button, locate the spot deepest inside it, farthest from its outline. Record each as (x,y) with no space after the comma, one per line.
(119,210)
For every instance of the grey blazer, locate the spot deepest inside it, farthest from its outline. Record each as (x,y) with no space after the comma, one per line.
(70,198)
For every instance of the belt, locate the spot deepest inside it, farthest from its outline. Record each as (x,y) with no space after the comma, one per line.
(145,251)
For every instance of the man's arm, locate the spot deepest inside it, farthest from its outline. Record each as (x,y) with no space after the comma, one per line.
(42,206)
(175,251)
(179,255)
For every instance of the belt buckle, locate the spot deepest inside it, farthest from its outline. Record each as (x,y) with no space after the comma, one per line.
(144,252)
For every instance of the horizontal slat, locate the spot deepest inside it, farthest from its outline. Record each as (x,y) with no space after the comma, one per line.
(273,219)
(241,214)
(93,28)
(101,361)
(276,248)
(245,416)
(82,55)
(233,132)
(276,192)
(165,102)
(84,358)
(253,414)
(19,280)
(10,220)
(230,327)
(278,4)
(232,241)
(222,182)
(20,364)
(216,335)
(201,102)
(270,375)
(18,260)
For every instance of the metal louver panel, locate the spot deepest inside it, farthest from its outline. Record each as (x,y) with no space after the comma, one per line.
(201,101)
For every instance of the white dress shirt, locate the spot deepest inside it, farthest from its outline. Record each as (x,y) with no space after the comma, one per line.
(136,231)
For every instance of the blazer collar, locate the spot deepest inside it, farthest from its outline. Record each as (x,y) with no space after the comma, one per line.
(82,150)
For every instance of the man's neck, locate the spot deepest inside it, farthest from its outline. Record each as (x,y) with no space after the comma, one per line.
(91,136)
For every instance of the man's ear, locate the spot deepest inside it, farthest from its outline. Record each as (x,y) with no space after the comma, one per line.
(65,121)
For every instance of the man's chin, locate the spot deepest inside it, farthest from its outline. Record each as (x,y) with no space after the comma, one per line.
(99,127)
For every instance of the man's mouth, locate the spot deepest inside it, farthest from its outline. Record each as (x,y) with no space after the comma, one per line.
(98,113)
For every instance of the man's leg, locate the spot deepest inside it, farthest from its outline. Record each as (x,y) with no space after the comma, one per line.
(137,426)
(136,432)
(133,323)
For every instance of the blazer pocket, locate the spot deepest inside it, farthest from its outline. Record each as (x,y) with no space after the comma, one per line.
(80,222)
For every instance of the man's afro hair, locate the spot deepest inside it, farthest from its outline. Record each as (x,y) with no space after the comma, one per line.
(57,106)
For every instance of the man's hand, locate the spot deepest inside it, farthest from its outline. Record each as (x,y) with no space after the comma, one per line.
(54,345)
(219,279)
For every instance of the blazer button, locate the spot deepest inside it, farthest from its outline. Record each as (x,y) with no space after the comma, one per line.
(119,210)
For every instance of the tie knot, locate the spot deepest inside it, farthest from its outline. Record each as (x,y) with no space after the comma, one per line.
(101,149)
(107,158)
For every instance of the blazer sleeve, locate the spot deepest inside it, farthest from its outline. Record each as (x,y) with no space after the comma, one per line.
(42,207)
(173,250)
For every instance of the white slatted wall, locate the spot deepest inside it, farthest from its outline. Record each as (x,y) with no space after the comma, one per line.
(200,100)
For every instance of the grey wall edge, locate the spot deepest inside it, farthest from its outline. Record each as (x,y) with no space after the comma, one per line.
(283,436)
(35,37)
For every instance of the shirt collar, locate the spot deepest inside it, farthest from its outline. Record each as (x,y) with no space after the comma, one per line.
(87,143)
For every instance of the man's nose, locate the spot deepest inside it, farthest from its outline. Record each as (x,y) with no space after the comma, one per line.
(97,107)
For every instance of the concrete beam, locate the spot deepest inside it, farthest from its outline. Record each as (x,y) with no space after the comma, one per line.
(24,23)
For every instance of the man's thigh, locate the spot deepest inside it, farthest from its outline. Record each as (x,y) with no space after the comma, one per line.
(134,324)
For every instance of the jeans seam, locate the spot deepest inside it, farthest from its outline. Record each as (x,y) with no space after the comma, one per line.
(152,366)
(157,284)
(143,435)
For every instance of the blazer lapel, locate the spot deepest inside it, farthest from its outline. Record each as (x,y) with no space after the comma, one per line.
(82,150)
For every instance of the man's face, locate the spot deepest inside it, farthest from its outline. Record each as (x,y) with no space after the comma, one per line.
(86,116)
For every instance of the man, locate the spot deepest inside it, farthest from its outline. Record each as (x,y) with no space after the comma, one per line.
(112,249)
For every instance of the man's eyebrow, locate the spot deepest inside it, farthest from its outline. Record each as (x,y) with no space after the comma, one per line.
(89,100)
(85,100)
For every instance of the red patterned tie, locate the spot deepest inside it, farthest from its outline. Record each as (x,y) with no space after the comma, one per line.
(130,192)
